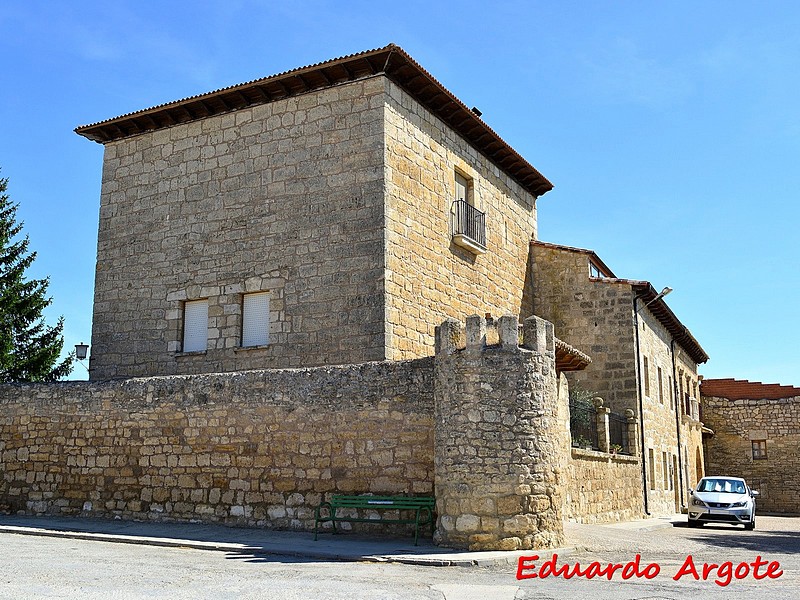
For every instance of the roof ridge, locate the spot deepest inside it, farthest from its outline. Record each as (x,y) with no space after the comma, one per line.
(404,71)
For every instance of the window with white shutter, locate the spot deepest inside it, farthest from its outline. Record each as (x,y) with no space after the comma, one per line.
(195,326)
(255,319)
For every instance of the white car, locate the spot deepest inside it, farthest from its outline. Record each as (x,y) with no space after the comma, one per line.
(722,500)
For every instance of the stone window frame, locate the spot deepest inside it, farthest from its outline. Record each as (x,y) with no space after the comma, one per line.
(184,307)
(469,185)
(177,300)
(671,388)
(242,345)
(759,449)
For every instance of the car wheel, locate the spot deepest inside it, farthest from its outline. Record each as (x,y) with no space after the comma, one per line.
(752,524)
(693,523)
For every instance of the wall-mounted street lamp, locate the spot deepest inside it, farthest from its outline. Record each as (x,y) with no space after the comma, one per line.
(81,352)
(658,297)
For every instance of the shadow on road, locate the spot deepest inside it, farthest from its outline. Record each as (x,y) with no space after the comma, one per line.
(735,537)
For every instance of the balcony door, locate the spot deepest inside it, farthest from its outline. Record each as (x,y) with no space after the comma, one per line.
(462,188)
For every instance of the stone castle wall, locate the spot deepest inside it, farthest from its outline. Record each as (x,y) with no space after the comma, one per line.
(500,448)
(259,448)
(285,197)
(428,277)
(736,423)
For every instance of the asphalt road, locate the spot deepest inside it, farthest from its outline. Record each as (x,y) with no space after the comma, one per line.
(43,567)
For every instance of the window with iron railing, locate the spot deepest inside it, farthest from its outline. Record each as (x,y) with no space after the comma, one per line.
(468,227)
(618,432)
(583,425)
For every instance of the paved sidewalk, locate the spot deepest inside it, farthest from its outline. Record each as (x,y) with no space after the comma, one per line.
(342,547)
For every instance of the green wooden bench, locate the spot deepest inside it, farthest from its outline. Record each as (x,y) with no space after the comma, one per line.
(421,506)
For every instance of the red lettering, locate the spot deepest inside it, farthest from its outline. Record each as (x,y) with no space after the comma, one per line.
(739,574)
(771,570)
(631,568)
(707,568)
(593,570)
(687,568)
(756,564)
(549,568)
(522,565)
(576,570)
(610,570)
(651,570)
(725,571)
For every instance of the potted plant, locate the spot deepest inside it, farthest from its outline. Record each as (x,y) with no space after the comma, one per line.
(582,442)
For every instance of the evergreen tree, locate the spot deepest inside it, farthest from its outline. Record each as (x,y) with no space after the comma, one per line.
(29,349)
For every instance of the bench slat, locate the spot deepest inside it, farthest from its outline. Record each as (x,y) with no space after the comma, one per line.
(422,505)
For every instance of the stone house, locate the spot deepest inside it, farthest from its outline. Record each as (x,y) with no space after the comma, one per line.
(754,432)
(283,270)
(331,214)
(335,214)
(643,360)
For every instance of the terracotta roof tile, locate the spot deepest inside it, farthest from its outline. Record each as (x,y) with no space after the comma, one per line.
(391,61)
(741,389)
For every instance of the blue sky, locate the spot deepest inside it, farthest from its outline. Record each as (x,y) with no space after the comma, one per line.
(670,130)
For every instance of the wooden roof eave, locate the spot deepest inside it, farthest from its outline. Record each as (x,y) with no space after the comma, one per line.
(392,61)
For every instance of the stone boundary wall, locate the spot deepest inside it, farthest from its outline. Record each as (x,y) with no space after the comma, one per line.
(258,448)
(736,424)
(603,488)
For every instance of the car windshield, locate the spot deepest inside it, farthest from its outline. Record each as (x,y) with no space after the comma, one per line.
(730,486)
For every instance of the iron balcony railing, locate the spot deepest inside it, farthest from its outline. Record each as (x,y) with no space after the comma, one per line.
(692,407)
(469,222)
(583,425)
(618,432)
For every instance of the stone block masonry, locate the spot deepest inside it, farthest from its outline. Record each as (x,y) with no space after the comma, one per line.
(257,448)
(773,424)
(500,448)
(483,426)
(284,198)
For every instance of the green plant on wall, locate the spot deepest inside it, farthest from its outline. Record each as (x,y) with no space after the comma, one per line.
(582,419)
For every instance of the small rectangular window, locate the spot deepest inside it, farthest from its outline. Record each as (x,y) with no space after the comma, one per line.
(671,392)
(759,449)
(664,461)
(195,326)
(652,464)
(660,386)
(255,319)
(646,375)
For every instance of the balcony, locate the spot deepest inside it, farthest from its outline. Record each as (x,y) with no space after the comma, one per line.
(691,407)
(468,227)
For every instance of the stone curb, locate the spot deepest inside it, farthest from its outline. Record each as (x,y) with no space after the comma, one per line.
(455,559)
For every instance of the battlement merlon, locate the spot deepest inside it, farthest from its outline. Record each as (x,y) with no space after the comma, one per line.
(537,335)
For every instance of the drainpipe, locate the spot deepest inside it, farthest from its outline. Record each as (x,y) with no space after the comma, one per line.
(640,394)
(677,418)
